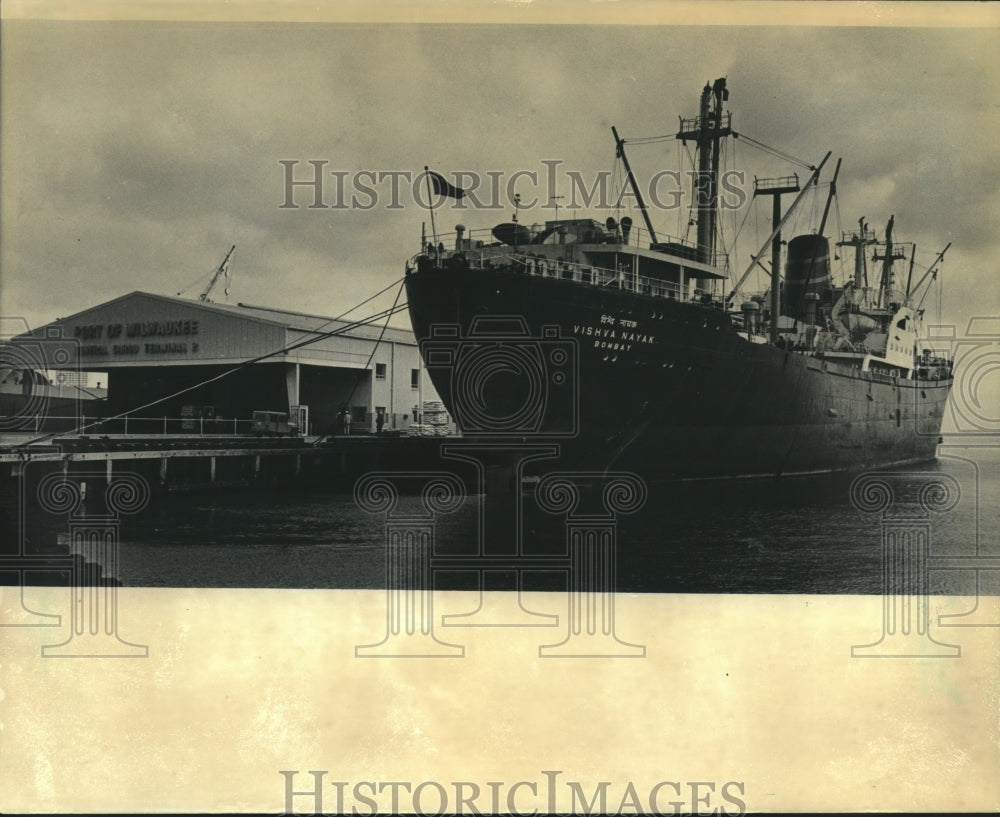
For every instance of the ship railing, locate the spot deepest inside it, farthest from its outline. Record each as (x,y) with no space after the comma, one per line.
(522,262)
(882,377)
(471,241)
(624,278)
(851,236)
(690,125)
(678,247)
(778,183)
(587,274)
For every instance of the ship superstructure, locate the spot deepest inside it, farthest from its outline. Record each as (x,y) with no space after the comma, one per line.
(672,367)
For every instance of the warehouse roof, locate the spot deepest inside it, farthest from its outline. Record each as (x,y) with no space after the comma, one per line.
(299,321)
(142,328)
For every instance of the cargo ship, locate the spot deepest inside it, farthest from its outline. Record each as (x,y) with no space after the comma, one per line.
(635,351)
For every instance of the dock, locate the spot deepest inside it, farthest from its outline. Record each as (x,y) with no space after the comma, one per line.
(179,463)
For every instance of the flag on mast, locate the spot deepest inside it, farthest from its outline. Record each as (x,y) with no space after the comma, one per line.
(443,187)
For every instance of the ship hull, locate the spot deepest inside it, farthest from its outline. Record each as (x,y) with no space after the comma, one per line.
(671,389)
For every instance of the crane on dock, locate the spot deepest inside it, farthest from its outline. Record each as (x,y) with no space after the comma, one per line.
(215,278)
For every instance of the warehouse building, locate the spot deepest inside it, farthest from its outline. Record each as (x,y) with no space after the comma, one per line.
(167,357)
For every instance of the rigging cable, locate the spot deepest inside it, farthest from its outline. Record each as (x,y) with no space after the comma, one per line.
(389,314)
(690,218)
(188,286)
(649,140)
(342,315)
(940,298)
(746,216)
(736,234)
(840,234)
(680,210)
(721,237)
(197,280)
(756,235)
(618,183)
(779,154)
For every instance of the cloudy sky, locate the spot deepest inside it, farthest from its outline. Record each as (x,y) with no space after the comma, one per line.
(135,153)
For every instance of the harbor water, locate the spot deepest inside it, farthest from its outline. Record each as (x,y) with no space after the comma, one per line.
(795,535)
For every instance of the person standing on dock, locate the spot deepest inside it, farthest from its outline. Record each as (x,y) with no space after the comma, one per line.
(345,422)
(379,422)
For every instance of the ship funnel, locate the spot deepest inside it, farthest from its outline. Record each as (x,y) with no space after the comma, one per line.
(807,270)
(626,229)
(459,232)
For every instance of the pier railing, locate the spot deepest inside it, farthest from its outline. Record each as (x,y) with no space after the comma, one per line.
(142,426)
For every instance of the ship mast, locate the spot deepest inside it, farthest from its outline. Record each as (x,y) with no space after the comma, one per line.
(707,130)
(886,281)
(859,241)
(774,188)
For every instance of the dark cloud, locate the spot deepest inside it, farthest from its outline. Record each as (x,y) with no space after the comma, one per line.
(135,153)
